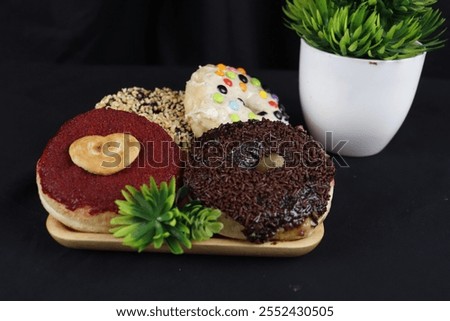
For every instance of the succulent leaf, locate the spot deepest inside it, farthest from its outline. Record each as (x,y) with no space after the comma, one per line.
(150,216)
(379,29)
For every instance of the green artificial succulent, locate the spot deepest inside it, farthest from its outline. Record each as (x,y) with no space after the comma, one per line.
(151,216)
(376,29)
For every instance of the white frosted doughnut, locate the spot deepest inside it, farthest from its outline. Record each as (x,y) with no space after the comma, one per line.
(218,94)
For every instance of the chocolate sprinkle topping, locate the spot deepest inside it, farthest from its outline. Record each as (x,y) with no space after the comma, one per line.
(221,173)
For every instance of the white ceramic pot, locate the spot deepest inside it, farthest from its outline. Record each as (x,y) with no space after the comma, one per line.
(359,102)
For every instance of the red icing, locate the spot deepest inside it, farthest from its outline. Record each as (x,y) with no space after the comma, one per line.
(228,82)
(74,187)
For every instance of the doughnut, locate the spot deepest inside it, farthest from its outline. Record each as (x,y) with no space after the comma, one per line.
(271,180)
(74,192)
(221,94)
(163,106)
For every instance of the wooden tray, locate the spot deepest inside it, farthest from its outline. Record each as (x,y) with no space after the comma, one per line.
(215,246)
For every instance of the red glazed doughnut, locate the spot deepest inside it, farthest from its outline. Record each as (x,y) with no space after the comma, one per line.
(85,201)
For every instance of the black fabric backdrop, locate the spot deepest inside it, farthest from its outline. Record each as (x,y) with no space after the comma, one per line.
(249,33)
(388,236)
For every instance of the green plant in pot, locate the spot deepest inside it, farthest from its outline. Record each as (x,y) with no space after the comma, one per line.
(360,65)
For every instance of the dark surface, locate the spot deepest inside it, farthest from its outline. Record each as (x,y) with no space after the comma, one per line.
(387,236)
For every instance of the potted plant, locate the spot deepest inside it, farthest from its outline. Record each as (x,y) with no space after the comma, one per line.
(360,65)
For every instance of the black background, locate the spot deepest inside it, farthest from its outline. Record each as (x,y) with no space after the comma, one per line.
(247,33)
(387,236)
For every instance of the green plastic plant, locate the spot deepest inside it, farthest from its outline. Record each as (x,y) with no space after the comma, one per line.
(376,29)
(151,216)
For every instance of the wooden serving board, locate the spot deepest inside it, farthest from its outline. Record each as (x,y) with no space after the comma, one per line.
(214,246)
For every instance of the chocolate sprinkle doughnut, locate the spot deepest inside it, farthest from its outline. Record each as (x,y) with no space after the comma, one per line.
(223,172)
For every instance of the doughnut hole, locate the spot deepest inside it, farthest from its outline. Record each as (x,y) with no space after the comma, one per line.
(269,162)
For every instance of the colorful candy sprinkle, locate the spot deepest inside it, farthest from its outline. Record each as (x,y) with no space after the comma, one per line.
(275,97)
(230,74)
(243,86)
(263,94)
(228,82)
(243,78)
(273,103)
(241,70)
(220,73)
(222,89)
(221,66)
(218,98)
(256,82)
(277,114)
(234,118)
(233,104)
(251,115)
